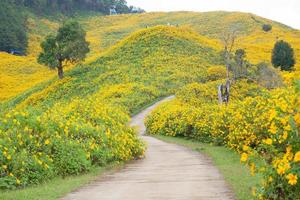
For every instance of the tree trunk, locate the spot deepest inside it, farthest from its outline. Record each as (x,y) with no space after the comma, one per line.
(220,93)
(60,70)
(227,60)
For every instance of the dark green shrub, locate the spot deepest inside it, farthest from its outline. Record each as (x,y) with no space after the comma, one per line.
(267,27)
(283,56)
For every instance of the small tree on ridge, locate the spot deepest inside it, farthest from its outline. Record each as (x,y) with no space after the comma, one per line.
(69,45)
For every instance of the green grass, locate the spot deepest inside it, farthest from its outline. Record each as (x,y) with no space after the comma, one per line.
(57,187)
(227,161)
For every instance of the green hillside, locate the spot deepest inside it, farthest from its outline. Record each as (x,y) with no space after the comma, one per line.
(87,112)
(104,32)
(211,24)
(159,59)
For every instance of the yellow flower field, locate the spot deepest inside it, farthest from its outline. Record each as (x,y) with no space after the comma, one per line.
(105,31)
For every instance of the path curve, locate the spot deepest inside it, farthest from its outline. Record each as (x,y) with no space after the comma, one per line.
(168,172)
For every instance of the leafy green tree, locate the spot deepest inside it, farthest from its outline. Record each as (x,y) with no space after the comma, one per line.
(239,64)
(69,45)
(239,56)
(283,56)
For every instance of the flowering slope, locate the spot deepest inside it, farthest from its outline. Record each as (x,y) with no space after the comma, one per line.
(66,126)
(256,123)
(105,31)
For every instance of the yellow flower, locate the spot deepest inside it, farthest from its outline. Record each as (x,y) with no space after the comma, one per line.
(18,181)
(244,157)
(283,106)
(245,148)
(11,174)
(280,170)
(273,128)
(288,128)
(297,119)
(38,119)
(8,157)
(26,129)
(273,114)
(285,135)
(297,157)
(270,179)
(47,142)
(252,169)
(88,155)
(4,166)
(268,141)
(253,191)
(292,179)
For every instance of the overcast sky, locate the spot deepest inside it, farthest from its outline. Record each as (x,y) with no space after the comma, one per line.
(285,11)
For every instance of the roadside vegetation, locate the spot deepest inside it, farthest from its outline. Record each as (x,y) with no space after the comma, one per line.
(59,186)
(258,123)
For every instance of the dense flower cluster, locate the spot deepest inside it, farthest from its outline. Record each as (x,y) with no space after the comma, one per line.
(256,123)
(66,139)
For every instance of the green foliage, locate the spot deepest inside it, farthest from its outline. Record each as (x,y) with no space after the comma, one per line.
(69,158)
(239,64)
(283,56)
(12,28)
(69,45)
(267,76)
(240,55)
(267,27)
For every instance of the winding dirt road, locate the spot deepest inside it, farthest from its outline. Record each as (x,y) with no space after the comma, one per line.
(168,172)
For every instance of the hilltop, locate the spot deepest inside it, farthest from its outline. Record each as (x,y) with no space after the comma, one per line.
(103,32)
(154,60)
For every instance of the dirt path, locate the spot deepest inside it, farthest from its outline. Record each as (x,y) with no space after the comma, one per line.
(169,172)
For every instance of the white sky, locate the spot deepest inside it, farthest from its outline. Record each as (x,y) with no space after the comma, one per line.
(284,11)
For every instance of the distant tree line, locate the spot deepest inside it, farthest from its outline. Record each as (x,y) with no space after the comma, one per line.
(13,18)
(12,28)
(71,6)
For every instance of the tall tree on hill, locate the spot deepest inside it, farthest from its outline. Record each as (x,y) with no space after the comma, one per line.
(69,45)
(240,64)
(228,39)
(283,56)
